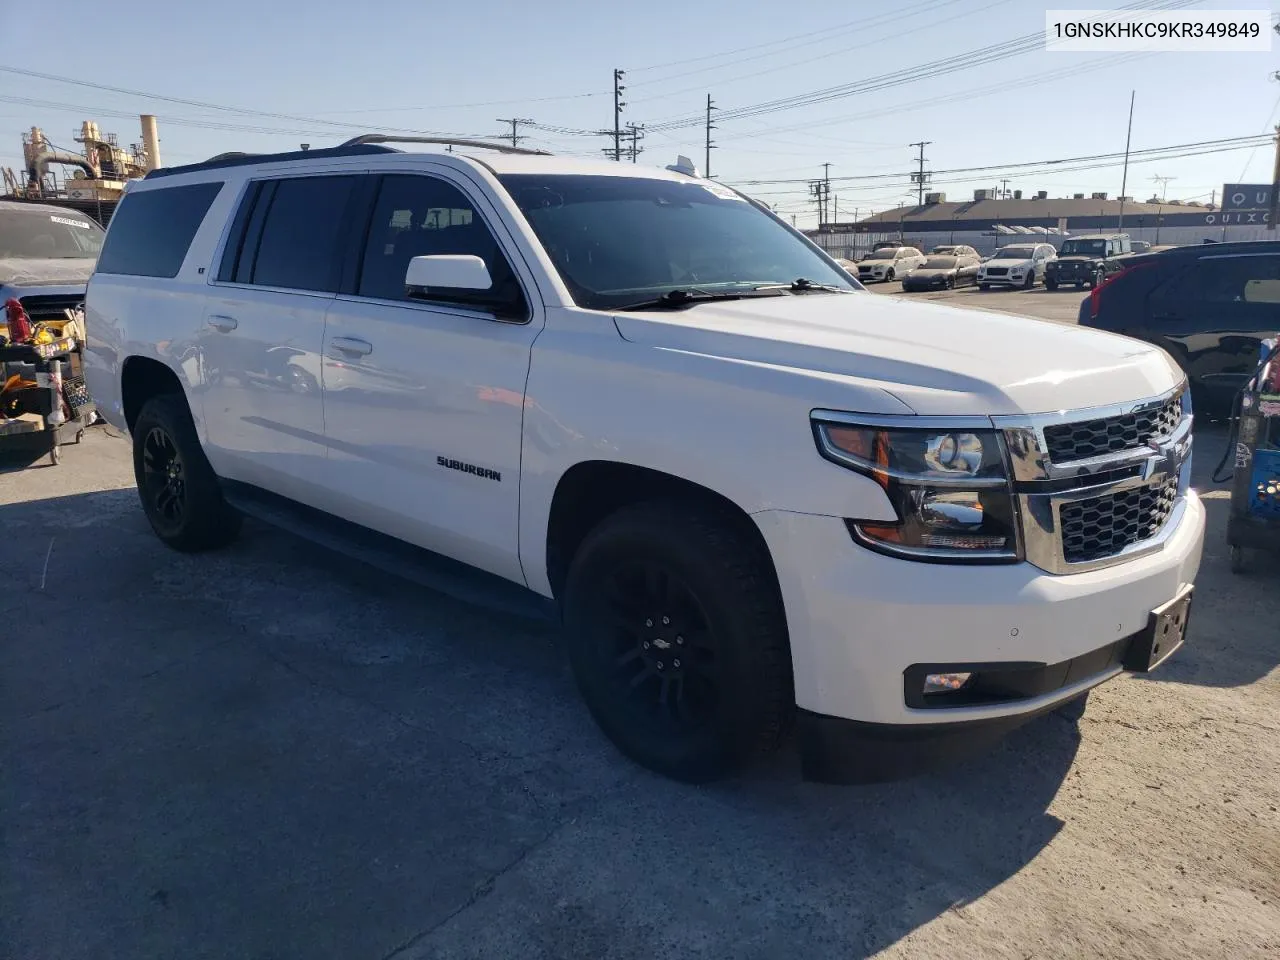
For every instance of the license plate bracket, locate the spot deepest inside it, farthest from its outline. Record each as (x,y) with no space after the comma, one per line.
(1165,632)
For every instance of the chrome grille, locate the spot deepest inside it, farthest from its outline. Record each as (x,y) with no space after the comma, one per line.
(1095,438)
(1103,526)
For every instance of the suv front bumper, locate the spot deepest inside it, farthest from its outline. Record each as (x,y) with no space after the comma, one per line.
(863,625)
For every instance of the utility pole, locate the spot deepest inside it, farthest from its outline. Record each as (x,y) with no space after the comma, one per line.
(1274,205)
(617,113)
(515,122)
(1124,179)
(920,178)
(1004,189)
(820,190)
(635,134)
(706,170)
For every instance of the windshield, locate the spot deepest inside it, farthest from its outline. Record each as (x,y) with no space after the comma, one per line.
(40,234)
(944,250)
(939,263)
(1083,248)
(613,238)
(1015,253)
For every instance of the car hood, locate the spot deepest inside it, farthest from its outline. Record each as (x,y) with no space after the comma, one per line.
(924,273)
(938,360)
(996,262)
(1076,258)
(31,272)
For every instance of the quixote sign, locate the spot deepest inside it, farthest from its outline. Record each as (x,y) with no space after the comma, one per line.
(1243,203)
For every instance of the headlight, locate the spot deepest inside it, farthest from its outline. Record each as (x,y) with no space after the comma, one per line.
(947,482)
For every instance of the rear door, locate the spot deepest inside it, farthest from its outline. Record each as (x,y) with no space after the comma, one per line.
(264,329)
(424,398)
(1213,316)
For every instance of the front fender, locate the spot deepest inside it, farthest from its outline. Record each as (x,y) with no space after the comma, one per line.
(739,429)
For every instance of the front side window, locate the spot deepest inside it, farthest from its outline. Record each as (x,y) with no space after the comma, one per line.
(422,216)
(616,240)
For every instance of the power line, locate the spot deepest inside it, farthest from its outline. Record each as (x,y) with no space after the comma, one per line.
(936,68)
(1245,141)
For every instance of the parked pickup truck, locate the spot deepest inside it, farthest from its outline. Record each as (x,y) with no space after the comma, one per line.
(751,491)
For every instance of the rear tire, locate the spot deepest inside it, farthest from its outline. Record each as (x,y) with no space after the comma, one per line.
(178,488)
(678,640)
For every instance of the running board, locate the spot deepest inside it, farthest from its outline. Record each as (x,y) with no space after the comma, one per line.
(396,557)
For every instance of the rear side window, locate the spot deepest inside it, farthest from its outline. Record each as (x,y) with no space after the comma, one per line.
(151,230)
(1228,280)
(300,243)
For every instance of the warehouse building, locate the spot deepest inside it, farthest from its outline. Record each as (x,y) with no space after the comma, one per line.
(987,222)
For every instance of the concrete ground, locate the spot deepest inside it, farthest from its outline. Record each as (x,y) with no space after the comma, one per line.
(270,752)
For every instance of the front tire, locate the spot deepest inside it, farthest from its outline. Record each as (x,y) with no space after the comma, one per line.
(984,286)
(178,488)
(678,640)
(889,277)
(1050,284)
(1030,282)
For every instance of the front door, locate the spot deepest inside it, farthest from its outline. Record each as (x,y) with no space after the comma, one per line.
(424,399)
(264,332)
(1213,317)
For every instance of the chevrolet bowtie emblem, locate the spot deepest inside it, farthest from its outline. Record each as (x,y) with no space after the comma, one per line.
(1166,461)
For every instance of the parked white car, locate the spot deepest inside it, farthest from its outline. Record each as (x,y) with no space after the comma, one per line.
(634,399)
(1017,265)
(890,263)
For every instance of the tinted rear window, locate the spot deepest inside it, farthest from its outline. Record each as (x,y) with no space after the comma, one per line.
(152,229)
(301,238)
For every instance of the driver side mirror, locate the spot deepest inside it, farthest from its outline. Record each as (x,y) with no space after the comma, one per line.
(444,273)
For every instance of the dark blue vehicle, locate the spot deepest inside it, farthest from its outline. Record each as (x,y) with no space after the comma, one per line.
(1210,306)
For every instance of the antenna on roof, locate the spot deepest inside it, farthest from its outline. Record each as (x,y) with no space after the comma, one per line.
(684,165)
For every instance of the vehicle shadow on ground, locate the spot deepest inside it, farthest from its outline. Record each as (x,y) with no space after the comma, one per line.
(254,737)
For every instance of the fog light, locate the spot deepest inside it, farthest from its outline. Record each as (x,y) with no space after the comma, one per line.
(945,682)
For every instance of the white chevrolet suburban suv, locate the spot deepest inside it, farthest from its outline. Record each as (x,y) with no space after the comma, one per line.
(753,492)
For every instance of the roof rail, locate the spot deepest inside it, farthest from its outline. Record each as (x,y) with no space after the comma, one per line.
(237,158)
(450,141)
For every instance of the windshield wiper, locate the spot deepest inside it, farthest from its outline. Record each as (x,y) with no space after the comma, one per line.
(682,296)
(805,285)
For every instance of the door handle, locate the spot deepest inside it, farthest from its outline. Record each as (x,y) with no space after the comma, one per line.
(223,324)
(349,346)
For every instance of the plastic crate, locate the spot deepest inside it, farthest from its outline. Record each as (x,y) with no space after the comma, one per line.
(1264,485)
(76,395)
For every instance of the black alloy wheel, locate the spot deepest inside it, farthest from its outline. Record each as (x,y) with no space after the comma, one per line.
(180,493)
(678,641)
(164,485)
(662,649)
